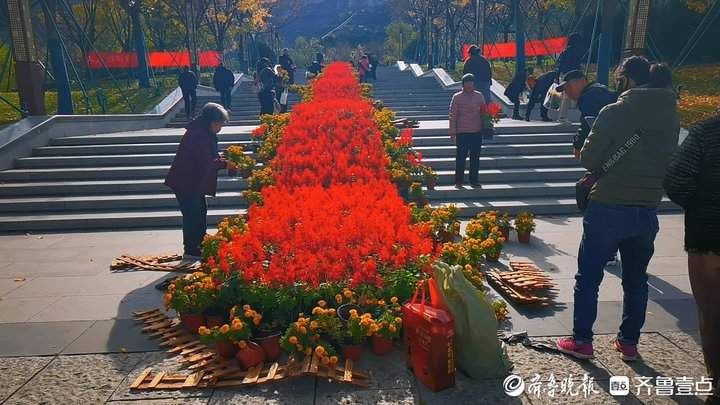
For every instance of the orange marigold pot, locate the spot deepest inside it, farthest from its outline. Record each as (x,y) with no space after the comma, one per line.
(381,345)
(191,322)
(351,352)
(226,349)
(251,355)
(271,346)
(523,237)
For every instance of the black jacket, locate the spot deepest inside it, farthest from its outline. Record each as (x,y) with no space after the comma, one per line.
(187,81)
(480,67)
(693,182)
(286,62)
(269,79)
(516,87)
(542,85)
(591,101)
(223,78)
(570,59)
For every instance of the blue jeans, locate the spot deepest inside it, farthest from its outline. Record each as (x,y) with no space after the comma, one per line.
(194,223)
(607,228)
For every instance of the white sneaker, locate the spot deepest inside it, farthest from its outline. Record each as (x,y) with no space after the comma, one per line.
(191,257)
(612,262)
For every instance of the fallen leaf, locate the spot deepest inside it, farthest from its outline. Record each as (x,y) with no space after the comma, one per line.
(19,280)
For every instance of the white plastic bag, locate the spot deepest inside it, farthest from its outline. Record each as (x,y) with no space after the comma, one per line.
(552,98)
(284,97)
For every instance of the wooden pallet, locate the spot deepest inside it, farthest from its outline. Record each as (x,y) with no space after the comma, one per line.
(152,263)
(208,370)
(521,284)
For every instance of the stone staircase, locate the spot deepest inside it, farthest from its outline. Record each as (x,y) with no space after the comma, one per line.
(528,166)
(115,180)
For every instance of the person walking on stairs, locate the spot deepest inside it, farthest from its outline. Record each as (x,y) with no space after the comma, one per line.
(265,83)
(288,65)
(224,80)
(193,175)
(364,68)
(537,95)
(629,148)
(480,68)
(188,82)
(693,182)
(466,124)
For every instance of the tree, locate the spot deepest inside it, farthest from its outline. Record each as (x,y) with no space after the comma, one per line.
(398,36)
(134,10)
(222,18)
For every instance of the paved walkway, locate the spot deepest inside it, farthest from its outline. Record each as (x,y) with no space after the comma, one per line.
(66,336)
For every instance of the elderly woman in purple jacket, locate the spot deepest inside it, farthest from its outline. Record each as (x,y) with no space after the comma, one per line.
(193,174)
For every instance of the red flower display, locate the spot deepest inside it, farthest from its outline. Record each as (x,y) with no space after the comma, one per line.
(332,214)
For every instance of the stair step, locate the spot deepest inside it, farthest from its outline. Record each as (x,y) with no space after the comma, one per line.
(55,204)
(502,162)
(109,149)
(503,190)
(498,149)
(97,187)
(105,220)
(498,139)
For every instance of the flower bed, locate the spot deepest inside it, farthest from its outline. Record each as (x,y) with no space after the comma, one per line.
(328,249)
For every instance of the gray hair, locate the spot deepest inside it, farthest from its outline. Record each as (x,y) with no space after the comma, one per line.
(213,112)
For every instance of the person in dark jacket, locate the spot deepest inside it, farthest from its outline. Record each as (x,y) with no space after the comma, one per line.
(569,60)
(224,80)
(537,95)
(631,143)
(363,67)
(481,70)
(193,174)
(693,182)
(267,81)
(315,68)
(591,97)
(287,63)
(188,82)
(514,90)
(373,65)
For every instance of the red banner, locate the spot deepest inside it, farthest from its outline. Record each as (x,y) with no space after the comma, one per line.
(125,60)
(535,47)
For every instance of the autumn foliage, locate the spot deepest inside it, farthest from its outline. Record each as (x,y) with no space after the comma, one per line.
(332,213)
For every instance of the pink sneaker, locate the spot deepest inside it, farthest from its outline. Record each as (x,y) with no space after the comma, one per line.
(628,352)
(578,350)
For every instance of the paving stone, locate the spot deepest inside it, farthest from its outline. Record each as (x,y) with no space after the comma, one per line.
(7,285)
(113,336)
(40,338)
(159,361)
(22,309)
(179,401)
(468,391)
(16,371)
(687,342)
(85,379)
(97,307)
(386,371)
(669,315)
(529,362)
(101,284)
(296,391)
(660,357)
(368,397)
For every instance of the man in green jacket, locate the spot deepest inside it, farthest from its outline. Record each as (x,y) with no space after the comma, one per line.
(630,144)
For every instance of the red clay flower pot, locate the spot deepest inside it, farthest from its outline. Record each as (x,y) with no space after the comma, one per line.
(191,322)
(351,352)
(226,349)
(250,356)
(381,345)
(523,237)
(271,346)
(214,320)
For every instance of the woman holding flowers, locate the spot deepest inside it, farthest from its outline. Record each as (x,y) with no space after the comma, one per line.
(193,175)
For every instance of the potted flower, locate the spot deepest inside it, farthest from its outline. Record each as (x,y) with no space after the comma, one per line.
(501,311)
(306,334)
(225,337)
(430,178)
(490,117)
(266,336)
(445,223)
(354,334)
(524,225)
(385,329)
(492,249)
(249,354)
(503,221)
(239,163)
(401,178)
(190,296)
(261,178)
